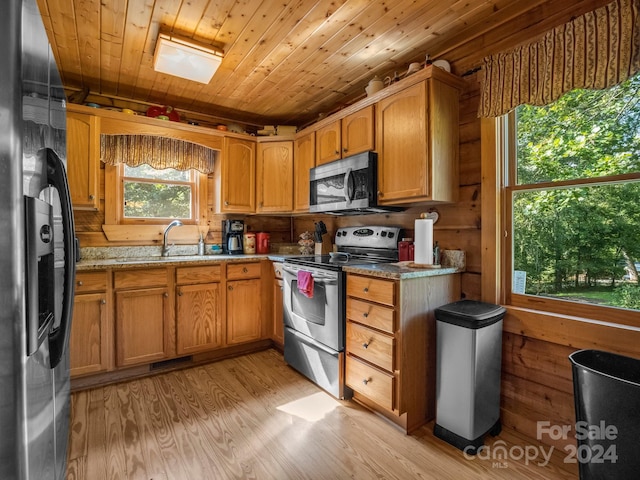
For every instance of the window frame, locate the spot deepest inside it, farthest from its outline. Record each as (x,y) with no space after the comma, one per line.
(192,183)
(506,152)
(114,200)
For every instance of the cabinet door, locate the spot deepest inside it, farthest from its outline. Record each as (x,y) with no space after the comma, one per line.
(142,334)
(199,326)
(274,187)
(278,322)
(303,161)
(328,144)
(244,312)
(90,342)
(83,160)
(357,132)
(238,176)
(403,164)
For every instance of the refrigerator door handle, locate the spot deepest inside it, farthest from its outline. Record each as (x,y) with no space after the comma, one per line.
(59,337)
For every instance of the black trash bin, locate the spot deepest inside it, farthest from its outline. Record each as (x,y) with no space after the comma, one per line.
(606,389)
(468,366)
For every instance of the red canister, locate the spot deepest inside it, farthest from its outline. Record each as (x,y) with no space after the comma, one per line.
(263,242)
(403,249)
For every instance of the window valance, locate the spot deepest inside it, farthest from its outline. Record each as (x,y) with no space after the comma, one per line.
(158,152)
(596,50)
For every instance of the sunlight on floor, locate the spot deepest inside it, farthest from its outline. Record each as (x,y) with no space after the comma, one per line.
(312,407)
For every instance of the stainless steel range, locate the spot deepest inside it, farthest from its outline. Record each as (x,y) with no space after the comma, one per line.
(315,299)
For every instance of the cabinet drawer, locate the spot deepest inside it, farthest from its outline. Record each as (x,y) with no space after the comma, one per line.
(91,282)
(372,346)
(156,277)
(370,382)
(192,275)
(372,289)
(238,271)
(371,314)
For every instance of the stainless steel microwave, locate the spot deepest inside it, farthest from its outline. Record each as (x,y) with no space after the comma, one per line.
(346,187)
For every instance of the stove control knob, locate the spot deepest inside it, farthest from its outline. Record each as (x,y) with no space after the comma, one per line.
(391,234)
(383,234)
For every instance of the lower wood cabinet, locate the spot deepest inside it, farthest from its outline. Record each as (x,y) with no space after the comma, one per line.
(198,309)
(91,341)
(390,343)
(144,316)
(243,300)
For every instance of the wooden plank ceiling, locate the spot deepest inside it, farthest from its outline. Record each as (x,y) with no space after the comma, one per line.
(286,62)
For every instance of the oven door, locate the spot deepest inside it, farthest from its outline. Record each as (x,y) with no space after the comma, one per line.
(320,316)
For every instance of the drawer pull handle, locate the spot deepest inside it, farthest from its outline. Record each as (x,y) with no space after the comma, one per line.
(366,380)
(244,270)
(365,345)
(366,290)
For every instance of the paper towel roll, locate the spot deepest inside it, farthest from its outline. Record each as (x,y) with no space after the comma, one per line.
(423,242)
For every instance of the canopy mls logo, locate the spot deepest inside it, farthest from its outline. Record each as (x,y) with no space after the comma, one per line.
(600,448)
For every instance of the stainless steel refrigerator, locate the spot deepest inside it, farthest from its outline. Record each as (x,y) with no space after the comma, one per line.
(37,252)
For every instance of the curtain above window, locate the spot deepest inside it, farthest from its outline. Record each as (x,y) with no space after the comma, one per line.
(158,152)
(596,50)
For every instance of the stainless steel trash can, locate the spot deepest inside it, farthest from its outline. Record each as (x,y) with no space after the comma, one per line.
(606,388)
(469,355)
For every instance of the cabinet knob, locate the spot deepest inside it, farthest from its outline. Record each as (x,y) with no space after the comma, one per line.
(344,150)
(80,283)
(366,290)
(103,302)
(91,197)
(380,193)
(244,270)
(365,314)
(366,380)
(337,152)
(365,345)
(179,293)
(226,203)
(166,295)
(230,287)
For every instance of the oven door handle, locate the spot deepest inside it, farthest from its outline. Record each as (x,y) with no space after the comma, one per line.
(319,278)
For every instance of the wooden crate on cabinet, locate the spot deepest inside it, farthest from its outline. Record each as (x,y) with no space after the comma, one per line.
(91,341)
(390,344)
(417,143)
(244,302)
(198,309)
(83,160)
(303,161)
(236,179)
(274,172)
(145,323)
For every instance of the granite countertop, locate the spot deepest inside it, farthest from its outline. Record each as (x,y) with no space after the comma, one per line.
(452,261)
(400,270)
(97,258)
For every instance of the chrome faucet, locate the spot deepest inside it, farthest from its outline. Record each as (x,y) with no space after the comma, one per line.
(165,247)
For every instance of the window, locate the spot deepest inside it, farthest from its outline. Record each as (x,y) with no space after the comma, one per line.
(158,194)
(573,204)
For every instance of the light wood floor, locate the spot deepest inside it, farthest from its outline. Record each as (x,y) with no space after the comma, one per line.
(253,417)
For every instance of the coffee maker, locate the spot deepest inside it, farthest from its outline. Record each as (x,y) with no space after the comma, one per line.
(232,231)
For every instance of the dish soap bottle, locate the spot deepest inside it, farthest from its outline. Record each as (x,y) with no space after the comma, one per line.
(201,245)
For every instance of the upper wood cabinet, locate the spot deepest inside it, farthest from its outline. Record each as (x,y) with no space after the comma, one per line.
(237,176)
(358,132)
(303,161)
(328,143)
(274,186)
(417,144)
(83,160)
(341,138)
